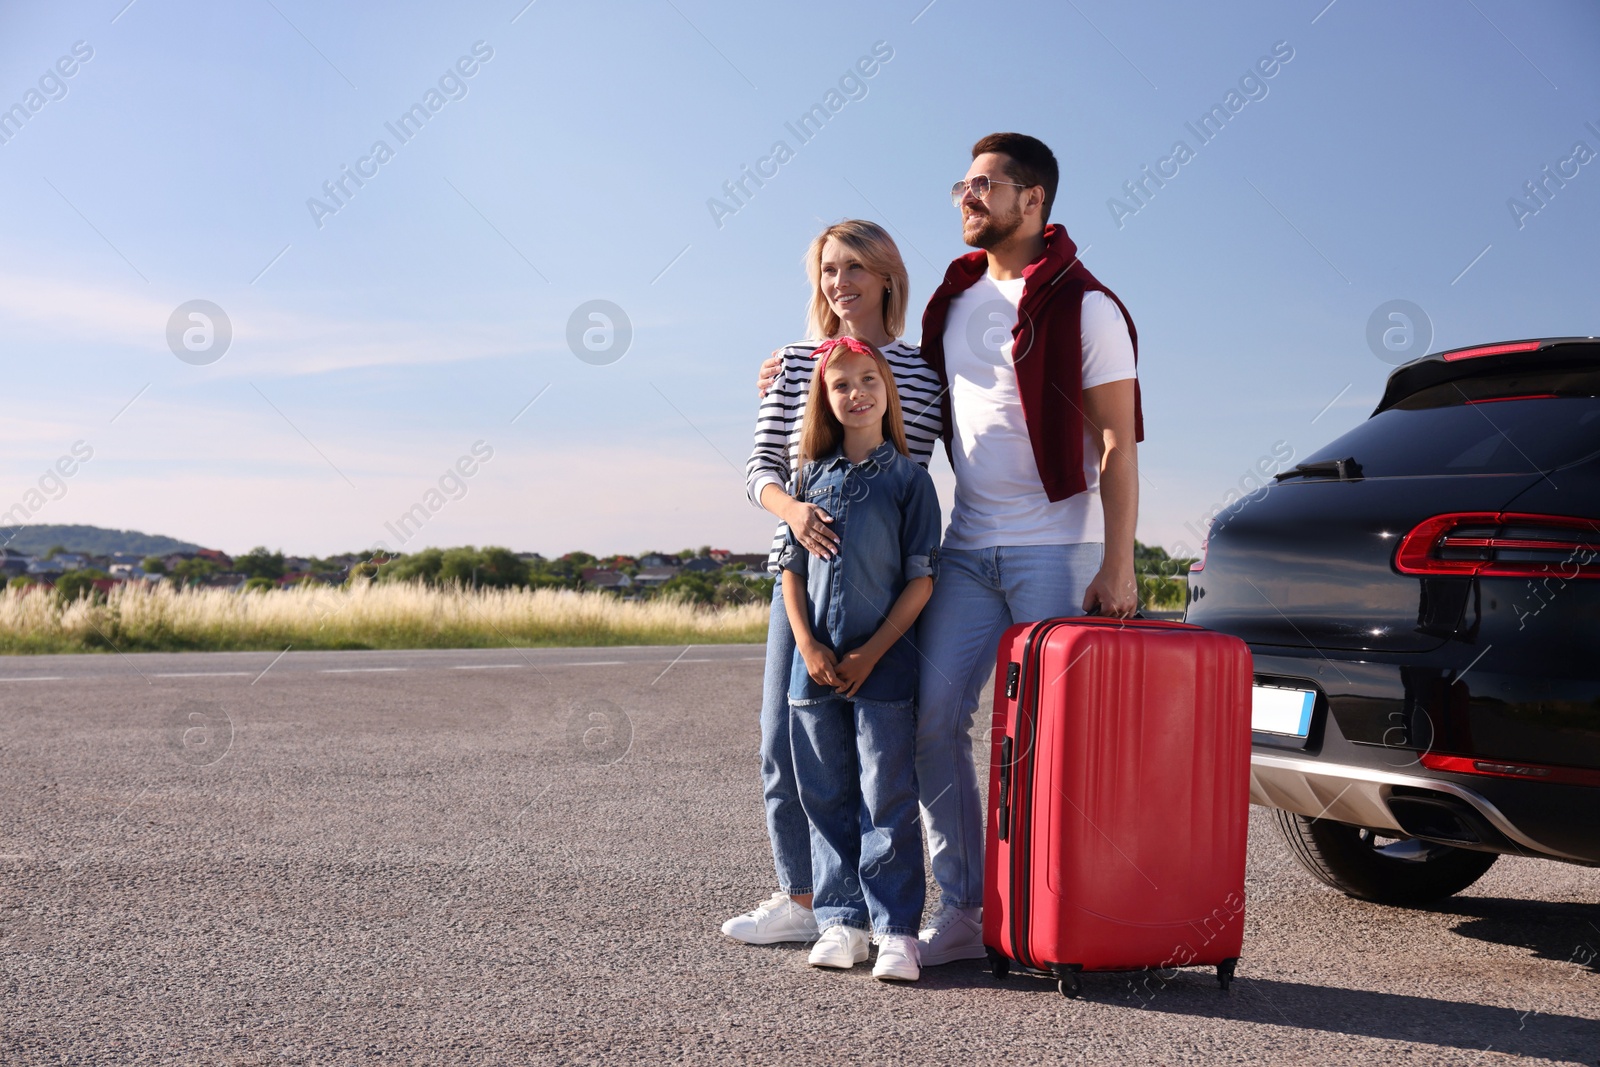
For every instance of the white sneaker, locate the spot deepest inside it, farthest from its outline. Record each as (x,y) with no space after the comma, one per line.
(775,919)
(840,946)
(953,934)
(899,958)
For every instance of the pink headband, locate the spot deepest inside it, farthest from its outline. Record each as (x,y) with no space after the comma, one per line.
(826,348)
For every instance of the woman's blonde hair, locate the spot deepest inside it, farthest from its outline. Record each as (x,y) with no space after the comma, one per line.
(821,432)
(876,250)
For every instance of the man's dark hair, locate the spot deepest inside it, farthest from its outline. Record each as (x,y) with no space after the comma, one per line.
(1029,161)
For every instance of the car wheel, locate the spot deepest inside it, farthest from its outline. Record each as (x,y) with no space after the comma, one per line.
(1388,870)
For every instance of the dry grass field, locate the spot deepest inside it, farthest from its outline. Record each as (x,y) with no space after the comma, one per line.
(385,615)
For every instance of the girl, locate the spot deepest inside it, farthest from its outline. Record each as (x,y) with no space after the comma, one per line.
(853,684)
(858,289)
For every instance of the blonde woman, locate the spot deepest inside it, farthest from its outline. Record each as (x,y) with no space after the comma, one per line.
(858,290)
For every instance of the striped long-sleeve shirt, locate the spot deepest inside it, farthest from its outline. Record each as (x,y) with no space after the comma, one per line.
(776,454)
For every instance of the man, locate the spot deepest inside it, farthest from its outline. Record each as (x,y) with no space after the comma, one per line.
(1041,416)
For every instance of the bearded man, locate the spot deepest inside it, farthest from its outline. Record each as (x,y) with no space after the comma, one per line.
(1041,422)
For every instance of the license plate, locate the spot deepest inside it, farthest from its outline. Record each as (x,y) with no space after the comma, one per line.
(1276,710)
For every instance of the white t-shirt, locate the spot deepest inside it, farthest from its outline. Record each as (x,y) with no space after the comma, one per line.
(1000,499)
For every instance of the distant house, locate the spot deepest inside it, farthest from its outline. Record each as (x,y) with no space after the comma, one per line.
(656,559)
(127,571)
(720,555)
(70,561)
(651,577)
(600,578)
(12,563)
(702,565)
(44,567)
(221,559)
(750,561)
(302,575)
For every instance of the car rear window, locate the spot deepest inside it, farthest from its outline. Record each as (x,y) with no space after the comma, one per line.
(1481,435)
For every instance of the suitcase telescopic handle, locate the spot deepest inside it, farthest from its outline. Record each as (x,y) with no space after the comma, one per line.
(1005,789)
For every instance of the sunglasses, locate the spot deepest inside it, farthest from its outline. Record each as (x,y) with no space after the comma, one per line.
(979,184)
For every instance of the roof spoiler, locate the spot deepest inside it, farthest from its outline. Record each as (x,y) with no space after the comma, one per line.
(1459,363)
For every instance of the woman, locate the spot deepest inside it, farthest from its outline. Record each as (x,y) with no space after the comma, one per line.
(858,289)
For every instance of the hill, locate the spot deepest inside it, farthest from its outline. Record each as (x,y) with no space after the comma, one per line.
(95,540)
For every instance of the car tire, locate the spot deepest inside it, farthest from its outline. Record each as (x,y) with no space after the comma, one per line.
(1354,861)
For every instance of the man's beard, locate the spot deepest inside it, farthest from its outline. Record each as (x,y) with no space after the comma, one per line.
(992,231)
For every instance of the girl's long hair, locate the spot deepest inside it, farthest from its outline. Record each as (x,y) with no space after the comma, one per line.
(821,432)
(872,245)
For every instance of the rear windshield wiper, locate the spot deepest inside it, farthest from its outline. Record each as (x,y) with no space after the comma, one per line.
(1346,470)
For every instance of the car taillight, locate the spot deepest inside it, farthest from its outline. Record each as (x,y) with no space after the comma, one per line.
(1200,564)
(1491,544)
(1492,350)
(1532,772)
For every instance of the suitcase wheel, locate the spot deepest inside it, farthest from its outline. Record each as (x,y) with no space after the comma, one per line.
(999,965)
(1068,980)
(1225,971)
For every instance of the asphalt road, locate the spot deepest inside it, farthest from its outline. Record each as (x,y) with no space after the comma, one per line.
(523,856)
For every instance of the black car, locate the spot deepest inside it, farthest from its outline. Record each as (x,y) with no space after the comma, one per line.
(1422,598)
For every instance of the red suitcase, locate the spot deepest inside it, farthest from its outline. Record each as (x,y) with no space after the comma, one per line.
(1119,789)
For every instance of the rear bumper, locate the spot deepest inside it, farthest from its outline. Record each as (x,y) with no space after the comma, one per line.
(1395,801)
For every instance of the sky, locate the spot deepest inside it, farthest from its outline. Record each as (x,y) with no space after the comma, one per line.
(433,316)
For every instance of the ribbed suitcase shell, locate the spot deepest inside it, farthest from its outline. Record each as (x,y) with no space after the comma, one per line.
(1118,797)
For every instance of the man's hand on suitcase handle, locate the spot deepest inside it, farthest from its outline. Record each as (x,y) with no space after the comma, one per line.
(1115,597)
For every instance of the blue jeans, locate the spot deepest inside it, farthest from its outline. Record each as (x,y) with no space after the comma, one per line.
(787,827)
(854,761)
(980,592)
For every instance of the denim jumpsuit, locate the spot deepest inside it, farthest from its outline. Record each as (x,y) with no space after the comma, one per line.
(855,758)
